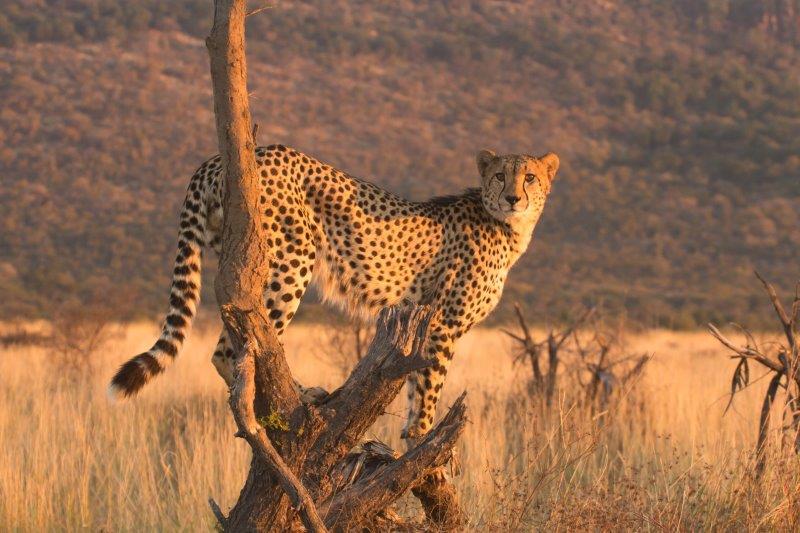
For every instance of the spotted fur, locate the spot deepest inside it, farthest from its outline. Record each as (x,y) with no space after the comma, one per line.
(365,249)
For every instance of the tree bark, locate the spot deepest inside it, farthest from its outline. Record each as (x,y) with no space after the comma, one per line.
(300,450)
(242,401)
(244,258)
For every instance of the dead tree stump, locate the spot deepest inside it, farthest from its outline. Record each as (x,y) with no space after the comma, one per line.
(312,459)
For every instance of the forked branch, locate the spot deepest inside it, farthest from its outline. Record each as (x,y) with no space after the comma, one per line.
(784,367)
(388,482)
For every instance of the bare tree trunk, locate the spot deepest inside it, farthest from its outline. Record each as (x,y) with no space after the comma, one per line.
(316,440)
(244,259)
(300,450)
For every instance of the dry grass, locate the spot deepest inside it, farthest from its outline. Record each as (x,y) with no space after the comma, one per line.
(663,458)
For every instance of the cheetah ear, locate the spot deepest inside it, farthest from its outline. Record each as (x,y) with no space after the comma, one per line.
(551,160)
(484,159)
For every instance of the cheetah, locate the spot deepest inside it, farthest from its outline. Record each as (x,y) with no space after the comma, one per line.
(365,249)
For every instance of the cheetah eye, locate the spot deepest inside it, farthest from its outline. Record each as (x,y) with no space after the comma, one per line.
(500,176)
(529,178)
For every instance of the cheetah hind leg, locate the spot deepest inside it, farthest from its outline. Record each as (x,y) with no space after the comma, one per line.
(223,358)
(225,363)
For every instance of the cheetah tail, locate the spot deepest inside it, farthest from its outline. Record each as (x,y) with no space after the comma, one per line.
(183,300)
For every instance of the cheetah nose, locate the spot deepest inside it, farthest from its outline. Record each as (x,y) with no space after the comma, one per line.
(511,199)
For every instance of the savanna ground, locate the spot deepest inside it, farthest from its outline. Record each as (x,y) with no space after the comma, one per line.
(662,456)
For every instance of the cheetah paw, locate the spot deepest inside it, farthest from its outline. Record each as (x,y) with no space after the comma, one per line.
(437,476)
(313,395)
(412,434)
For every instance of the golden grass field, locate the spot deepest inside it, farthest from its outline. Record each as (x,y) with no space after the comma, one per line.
(663,458)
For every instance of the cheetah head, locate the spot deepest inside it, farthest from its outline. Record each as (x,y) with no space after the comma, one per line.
(515,187)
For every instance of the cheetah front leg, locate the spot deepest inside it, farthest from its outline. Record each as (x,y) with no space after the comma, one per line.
(425,386)
(424,390)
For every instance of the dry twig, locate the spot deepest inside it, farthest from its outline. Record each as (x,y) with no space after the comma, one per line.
(784,367)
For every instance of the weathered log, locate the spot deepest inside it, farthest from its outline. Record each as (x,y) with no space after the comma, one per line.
(242,401)
(371,494)
(317,441)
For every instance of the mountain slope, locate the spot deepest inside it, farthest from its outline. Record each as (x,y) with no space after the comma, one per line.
(680,149)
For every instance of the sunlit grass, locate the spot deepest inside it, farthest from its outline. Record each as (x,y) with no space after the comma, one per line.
(663,458)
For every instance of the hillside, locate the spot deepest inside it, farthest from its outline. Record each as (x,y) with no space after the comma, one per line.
(678,131)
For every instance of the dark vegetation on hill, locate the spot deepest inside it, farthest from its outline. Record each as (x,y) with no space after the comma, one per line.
(678,125)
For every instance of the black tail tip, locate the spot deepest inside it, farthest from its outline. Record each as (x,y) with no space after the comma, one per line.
(133,375)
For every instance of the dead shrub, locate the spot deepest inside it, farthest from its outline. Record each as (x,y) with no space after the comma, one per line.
(347,345)
(782,363)
(20,336)
(587,359)
(78,334)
